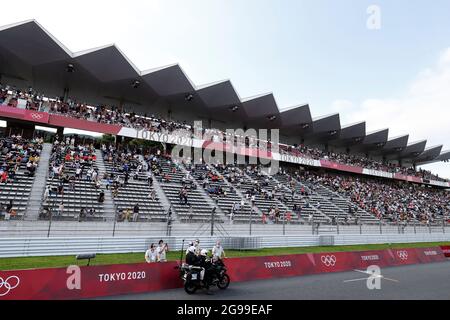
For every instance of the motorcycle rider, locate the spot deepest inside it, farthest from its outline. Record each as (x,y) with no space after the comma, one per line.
(207,266)
(194,260)
(191,244)
(191,257)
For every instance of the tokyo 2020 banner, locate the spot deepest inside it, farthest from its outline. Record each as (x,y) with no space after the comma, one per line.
(76,282)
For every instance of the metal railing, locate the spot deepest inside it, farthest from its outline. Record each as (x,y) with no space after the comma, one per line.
(212,227)
(27,247)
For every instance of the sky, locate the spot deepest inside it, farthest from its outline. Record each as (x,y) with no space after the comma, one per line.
(319,52)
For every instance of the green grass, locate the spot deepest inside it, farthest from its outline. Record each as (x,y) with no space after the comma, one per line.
(107,259)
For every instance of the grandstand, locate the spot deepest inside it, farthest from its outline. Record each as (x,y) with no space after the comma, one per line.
(330,174)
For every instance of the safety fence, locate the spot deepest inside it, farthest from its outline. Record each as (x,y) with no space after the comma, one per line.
(27,247)
(39,229)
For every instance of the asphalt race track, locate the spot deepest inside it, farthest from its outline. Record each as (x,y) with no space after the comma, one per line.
(422,281)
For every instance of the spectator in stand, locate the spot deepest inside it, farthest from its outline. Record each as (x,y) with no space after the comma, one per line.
(127,214)
(9,207)
(101,196)
(61,208)
(110,115)
(83,213)
(136,212)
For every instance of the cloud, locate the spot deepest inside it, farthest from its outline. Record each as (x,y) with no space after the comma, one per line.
(422,111)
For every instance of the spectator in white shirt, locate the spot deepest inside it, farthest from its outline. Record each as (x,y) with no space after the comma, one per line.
(217,251)
(161,251)
(151,254)
(61,208)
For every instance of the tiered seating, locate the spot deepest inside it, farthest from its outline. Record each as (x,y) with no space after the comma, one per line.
(15,192)
(224,194)
(136,191)
(307,206)
(260,186)
(342,203)
(324,202)
(172,184)
(85,194)
(330,204)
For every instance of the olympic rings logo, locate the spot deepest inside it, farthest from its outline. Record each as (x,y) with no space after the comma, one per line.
(329,261)
(9,284)
(403,255)
(36,116)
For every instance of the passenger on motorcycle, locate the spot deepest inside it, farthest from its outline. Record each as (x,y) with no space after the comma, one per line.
(193,260)
(197,247)
(206,264)
(191,257)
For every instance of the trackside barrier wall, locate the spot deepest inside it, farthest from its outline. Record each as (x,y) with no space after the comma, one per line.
(29,247)
(99,281)
(446,251)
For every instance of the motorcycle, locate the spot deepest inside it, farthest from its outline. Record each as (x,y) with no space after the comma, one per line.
(216,276)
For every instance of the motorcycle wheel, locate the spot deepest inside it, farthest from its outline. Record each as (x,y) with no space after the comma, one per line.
(224,282)
(190,287)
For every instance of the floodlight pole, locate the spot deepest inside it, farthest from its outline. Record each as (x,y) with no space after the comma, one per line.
(51,218)
(114,227)
(50,224)
(251,218)
(212,221)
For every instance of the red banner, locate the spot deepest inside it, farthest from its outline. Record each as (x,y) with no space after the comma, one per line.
(36,116)
(98,281)
(11,112)
(400,176)
(446,251)
(341,167)
(80,124)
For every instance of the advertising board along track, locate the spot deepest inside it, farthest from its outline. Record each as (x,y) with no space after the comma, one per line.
(76,282)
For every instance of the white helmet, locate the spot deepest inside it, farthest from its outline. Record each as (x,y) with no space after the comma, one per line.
(191,249)
(204,252)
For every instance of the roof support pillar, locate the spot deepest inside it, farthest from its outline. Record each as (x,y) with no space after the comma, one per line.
(60,132)
(120,106)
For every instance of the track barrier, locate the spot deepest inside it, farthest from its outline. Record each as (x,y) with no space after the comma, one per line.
(76,282)
(446,251)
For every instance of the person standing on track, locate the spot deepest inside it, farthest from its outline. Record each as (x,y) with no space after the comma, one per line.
(218,252)
(161,251)
(150,254)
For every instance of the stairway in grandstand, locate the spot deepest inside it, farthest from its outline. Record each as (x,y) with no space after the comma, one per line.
(266,204)
(224,201)
(212,201)
(18,190)
(38,186)
(172,182)
(318,213)
(85,195)
(343,203)
(322,202)
(136,191)
(108,204)
(163,200)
